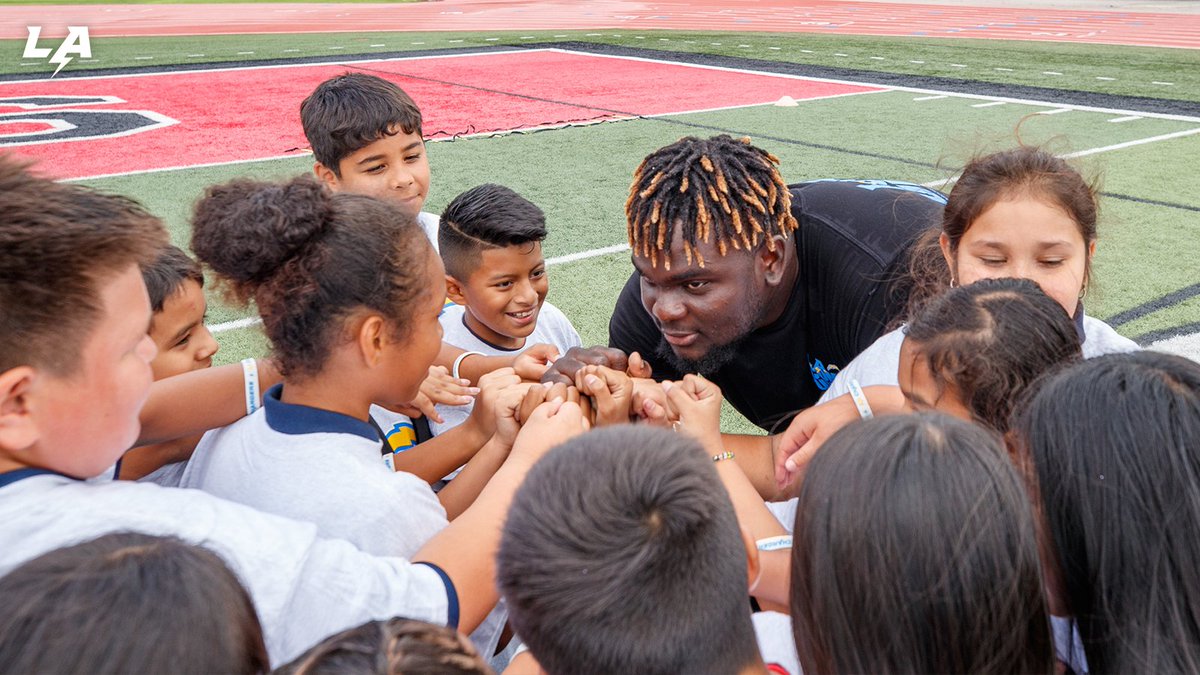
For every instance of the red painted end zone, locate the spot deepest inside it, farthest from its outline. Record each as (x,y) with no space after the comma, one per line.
(251,113)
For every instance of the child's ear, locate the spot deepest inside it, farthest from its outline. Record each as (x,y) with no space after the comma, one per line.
(454,291)
(372,338)
(753,567)
(17,427)
(326,176)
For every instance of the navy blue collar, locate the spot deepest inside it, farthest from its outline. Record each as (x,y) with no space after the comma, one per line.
(9,477)
(289,418)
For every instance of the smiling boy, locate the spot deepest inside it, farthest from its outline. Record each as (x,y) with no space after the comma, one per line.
(491,244)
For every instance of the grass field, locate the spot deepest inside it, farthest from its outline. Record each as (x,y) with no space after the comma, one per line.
(1150,233)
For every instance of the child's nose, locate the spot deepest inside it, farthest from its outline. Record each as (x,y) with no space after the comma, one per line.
(208,344)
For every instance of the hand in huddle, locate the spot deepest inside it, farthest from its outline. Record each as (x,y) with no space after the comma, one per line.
(696,403)
(491,386)
(439,387)
(611,392)
(567,366)
(532,363)
(548,425)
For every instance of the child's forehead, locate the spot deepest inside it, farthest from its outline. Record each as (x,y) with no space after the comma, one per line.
(509,259)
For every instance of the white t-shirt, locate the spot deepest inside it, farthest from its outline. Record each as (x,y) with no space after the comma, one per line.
(553,327)
(305,588)
(775,641)
(879,363)
(321,467)
(429,223)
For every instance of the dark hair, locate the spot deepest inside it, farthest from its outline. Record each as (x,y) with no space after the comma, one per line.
(716,187)
(128,603)
(1115,446)
(488,216)
(990,341)
(987,179)
(308,259)
(915,552)
(59,242)
(166,274)
(396,646)
(350,111)
(622,554)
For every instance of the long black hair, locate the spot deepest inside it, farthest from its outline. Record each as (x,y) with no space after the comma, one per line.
(1114,443)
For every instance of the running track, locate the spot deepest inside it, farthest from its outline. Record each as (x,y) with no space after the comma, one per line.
(811,16)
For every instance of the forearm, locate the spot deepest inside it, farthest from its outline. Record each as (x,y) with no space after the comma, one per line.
(477,531)
(195,402)
(755,455)
(472,367)
(438,456)
(143,461)
(461,492)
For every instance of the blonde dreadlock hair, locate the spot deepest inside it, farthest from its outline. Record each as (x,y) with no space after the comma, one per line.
(720,187)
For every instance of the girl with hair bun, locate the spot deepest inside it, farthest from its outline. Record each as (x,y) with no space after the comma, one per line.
(349,290)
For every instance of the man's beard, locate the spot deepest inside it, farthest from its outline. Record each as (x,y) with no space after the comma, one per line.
(712,361)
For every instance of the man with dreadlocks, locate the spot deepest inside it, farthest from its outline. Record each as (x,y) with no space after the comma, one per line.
(762,287)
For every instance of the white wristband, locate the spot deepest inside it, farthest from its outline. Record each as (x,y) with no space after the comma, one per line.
(459,360)
(860,400)
(250,379)
(774,543)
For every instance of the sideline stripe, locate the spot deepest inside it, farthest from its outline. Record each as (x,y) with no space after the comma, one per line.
(558,260)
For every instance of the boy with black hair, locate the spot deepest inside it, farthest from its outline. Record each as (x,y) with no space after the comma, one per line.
(491,244)
(365,134)
(175,285)
(75,364)
(622,554)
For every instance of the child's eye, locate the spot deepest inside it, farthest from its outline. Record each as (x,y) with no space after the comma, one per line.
(183,341)
(993,261)
(695,285)
(375,169)
(504,284)
(1053,263)
(538,274)
(412,158)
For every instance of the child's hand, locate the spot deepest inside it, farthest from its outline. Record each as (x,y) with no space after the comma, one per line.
(637,366)
(649,403)
(484,414)
(550,424)
(440,388)
(611,392)
(698,404)
(532,363)
(546,391)
(508,404)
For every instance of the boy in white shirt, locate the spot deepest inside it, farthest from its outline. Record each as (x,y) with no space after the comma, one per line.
(491,244)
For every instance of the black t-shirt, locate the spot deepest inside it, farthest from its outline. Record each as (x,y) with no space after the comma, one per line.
(852,246)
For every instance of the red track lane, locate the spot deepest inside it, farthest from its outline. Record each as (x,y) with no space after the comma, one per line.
(813,16)
(257,108)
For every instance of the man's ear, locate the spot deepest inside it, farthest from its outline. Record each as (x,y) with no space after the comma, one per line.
(455,291)
(372,338)
(326,176)
(774,260)
(18,429)
(753,567)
